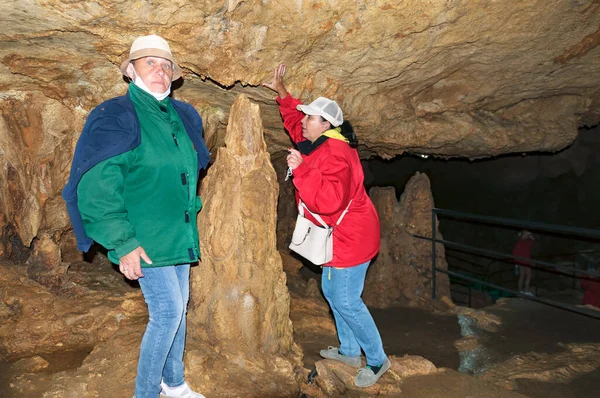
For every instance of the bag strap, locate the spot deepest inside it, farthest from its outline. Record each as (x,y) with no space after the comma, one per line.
(302,206)
(344,213)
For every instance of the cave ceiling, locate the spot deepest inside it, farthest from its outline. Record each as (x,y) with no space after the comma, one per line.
(440,77)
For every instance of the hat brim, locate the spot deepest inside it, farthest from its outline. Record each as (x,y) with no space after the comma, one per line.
(151,52)
(309,110)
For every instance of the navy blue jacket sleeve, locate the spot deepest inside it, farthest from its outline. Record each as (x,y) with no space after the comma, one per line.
(111,129)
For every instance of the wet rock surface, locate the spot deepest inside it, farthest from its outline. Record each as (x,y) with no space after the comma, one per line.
(336,379)
(60,340)
(531,348)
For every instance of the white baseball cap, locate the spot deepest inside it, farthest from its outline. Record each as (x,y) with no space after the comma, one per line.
(326,108)
(151,46)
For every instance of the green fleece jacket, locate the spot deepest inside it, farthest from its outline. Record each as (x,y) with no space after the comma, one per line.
(146,196)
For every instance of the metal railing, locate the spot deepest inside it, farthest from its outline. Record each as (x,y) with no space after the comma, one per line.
(458,288)
(534,263)
(488,272)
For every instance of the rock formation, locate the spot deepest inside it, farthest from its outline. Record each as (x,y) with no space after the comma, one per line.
(37,138)
(336,379)
(573,361)
(240,303)
(440,78)
(34,320)
(448,78)
(490,351)
(401,273)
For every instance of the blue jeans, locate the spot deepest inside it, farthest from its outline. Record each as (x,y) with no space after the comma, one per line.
(166,291)
(342,287)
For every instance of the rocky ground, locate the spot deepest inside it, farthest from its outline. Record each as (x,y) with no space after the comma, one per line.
(515,348)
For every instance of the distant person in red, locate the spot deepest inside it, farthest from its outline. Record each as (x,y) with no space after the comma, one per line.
(523,249)
(591,289)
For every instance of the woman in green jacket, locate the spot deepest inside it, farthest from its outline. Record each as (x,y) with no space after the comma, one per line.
(141,205)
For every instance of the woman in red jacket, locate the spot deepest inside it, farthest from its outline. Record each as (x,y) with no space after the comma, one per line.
(523,249)
(329,178)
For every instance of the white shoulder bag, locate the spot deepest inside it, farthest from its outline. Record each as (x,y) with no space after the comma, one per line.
(314,242)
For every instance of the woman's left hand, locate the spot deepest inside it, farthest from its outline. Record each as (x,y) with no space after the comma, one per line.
(294,159)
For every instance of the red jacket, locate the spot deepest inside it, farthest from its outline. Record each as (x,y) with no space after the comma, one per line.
(327,179)
(523,249)
(591,288)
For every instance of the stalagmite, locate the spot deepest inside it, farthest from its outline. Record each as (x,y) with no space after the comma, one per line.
(401,273)
(240,303)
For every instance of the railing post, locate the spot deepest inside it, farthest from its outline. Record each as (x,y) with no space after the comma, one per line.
(536,279)
(470,296)
(433,269)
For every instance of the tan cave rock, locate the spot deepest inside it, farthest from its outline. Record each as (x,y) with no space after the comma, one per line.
(401,272)
(573,361)
(37,136)
(240,303)
(114,359)
(438,78)
(453,78)
(36,320)
(336,379)
(447,78)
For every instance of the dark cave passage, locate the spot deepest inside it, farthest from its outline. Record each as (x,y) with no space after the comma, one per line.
(557,188)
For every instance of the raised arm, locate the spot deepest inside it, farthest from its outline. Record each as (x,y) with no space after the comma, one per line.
(277,84)
(292,117)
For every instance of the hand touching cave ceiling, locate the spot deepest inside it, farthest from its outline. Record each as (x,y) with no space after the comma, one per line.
(467,78)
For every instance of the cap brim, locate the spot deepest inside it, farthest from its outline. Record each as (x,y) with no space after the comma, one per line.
(307,109)
(152,52)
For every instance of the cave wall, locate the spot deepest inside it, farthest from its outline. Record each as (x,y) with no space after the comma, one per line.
(447,78)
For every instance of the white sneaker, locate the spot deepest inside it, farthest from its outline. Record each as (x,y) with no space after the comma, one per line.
(182,391)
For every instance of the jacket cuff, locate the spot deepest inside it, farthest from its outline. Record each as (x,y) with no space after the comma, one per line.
(287,100)
(127,247)
(301,170)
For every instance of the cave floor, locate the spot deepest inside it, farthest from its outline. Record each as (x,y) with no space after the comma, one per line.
(526,327)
